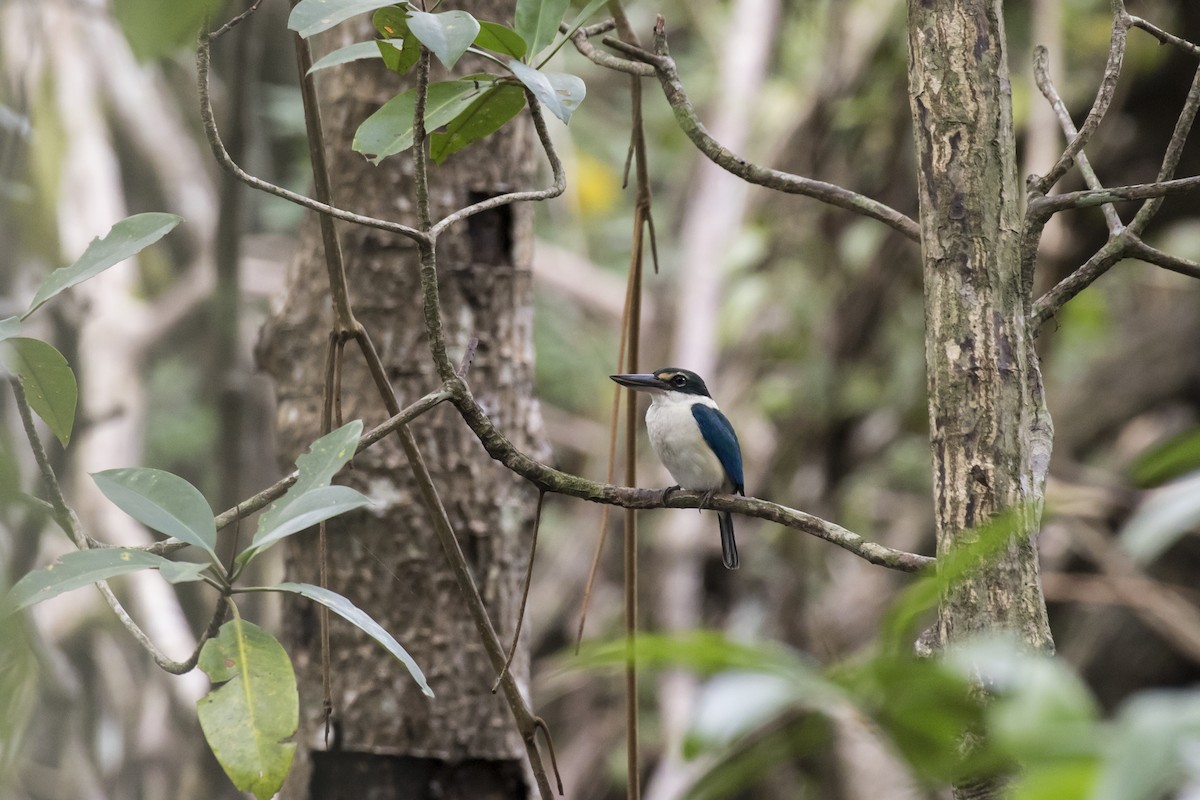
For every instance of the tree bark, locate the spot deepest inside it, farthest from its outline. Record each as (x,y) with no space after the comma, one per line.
(389,740)
(989,429)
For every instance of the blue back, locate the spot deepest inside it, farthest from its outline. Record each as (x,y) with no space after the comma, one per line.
(716,430)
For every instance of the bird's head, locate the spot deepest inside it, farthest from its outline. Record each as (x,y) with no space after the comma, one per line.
(667,380)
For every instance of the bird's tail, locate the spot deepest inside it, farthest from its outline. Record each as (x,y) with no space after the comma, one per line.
(728,546)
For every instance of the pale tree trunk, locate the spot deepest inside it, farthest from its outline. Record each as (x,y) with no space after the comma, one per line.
(989,430)
(389,740)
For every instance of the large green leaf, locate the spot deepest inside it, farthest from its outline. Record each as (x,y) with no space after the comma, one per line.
(391,21)
(311,508)
(1152,750)
(399,59)
(352,52)
(254,708)
(81,567)
(352,613)
(127,238)
(447,35)
(9,327)
(486,115)
(500,39)
(310,17)
(390,129)
(559,92)
(537,22)
(47,379)
(162,501)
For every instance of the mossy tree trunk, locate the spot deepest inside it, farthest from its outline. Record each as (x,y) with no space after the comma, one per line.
(989,430)
(390,740)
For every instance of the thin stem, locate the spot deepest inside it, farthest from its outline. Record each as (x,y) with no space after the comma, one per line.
(211,132)
(66,517)
(1104,96)
(689,123)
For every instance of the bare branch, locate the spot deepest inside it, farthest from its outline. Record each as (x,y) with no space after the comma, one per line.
(1046,85)
(607,60)
(1104,96)
(689,123)
(203,60)
(1136,248)
(556,168)
(1164,37)
(1048,304)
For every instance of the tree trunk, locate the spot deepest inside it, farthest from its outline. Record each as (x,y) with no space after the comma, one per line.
(389,740)
(989,430)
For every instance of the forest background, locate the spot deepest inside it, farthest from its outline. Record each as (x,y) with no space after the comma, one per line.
(807,322)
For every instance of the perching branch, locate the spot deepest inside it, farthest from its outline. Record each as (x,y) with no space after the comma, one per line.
(689,123)
(552,480)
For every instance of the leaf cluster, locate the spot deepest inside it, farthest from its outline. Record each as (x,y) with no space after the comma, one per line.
(468,108)
(254,709)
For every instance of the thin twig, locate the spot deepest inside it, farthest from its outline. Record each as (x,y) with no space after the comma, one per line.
(512,650)
(275,491)
(66,518)
(208,120)
(556,169)
(1104,96)
(689,123)
(1164,37)
(1041,74)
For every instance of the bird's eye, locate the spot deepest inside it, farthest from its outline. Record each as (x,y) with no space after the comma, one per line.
(679,381)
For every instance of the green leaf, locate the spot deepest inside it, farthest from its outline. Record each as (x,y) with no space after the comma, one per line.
(583,16)
(324,459)
(1173,458)
(447,35)
(9,327)
(162,501)
(399,60)
(360,619)
(47,379)
(500,39)
(311,508)
(310,17)
(559,92)
(537,22)
(82,567)
(126,239)
(391,21)
(390,129)
(310,500)
(486,115)
(353,52)
(254,708)
(1154,739)
(1166,514)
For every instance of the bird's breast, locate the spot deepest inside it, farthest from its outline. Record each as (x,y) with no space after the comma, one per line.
(680,446)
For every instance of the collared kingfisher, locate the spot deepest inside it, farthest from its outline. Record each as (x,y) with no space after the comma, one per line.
(693,440)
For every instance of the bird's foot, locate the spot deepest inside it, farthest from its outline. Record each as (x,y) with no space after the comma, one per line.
(670,490)
(706,499)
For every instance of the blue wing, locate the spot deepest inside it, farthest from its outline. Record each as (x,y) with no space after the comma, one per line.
(719,434)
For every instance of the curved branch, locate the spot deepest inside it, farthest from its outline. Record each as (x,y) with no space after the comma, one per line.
(552,480)
(1104,96)
(689,123)
(203,60)
(1164,37)
(556,168)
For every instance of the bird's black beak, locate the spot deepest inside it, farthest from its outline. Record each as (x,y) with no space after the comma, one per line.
(640,380)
